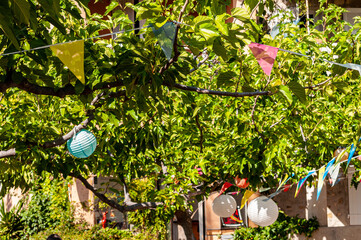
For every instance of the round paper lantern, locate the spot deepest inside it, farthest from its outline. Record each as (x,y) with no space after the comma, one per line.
(263,211)
(82,145)
(241,182)
(224,206)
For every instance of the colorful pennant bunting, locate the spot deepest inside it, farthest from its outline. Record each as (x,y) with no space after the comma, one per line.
(284,181)
(72,55)
(265,56)
(247,194)
(302,181)
(165,36)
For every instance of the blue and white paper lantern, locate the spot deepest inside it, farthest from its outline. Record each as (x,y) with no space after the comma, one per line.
(82,145)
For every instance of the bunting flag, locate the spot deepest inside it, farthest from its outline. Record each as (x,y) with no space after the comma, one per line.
(247,194)
(265,56)
(225,186)
(302,181)
(350,155)
(72,55)
(165,36)
(284,181)
(334,170)
(276,29)
(322,175)
(352,66)
(320,181)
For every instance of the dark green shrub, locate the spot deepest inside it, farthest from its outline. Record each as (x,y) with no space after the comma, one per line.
(280,230)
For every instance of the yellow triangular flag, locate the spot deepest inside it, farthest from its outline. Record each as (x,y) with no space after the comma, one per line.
(72,55)
(247,194)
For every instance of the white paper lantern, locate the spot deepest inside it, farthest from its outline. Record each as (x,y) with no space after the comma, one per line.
(263,211)
(224,206)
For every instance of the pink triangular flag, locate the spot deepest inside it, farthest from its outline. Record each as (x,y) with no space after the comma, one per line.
(265,56)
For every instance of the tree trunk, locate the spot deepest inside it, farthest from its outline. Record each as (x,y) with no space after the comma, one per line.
(184,219)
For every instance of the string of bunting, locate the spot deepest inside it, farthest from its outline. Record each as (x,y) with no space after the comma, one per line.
(72,53)
(331,169)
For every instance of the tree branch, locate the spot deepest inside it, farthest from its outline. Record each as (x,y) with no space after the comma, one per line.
(68,89)
(9,153)
(126,208)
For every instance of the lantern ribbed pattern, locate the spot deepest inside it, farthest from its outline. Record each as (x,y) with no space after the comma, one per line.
(224,206)
(83,145)
(263,211)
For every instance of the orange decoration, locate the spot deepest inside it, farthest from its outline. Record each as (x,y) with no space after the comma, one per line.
(241,182)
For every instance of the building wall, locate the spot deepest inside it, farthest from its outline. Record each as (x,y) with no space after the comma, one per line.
(87,207)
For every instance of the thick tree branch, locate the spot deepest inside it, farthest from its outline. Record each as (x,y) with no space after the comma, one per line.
(8,153)
(126,208)
(69,89)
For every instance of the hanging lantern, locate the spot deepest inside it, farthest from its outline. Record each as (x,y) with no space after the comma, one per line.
(82,145)
(241,182)
(224,206)
(263,211)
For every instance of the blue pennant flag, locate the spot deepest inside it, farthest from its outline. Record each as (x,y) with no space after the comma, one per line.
(302,181)
(352,152)
(165,36)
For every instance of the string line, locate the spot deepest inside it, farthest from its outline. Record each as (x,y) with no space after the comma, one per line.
(84,39)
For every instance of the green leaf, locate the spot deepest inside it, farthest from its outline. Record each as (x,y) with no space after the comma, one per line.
(52,7)
(286,93)
(342,86)
(7,26)
(240,13)
(149,11)
(298,90)
(79,87)
(224,77)
(208,31)
(221,24)
(132,114)
(21,9)
(219,49)
(201,19)
(111,7)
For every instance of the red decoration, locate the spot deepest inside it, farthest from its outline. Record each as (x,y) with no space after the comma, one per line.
(104,219)
(225,186)
(287,187)
(241,182)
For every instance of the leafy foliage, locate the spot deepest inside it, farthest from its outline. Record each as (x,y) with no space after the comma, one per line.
(11,223)
(281,229)
(49,207)
(153,113)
